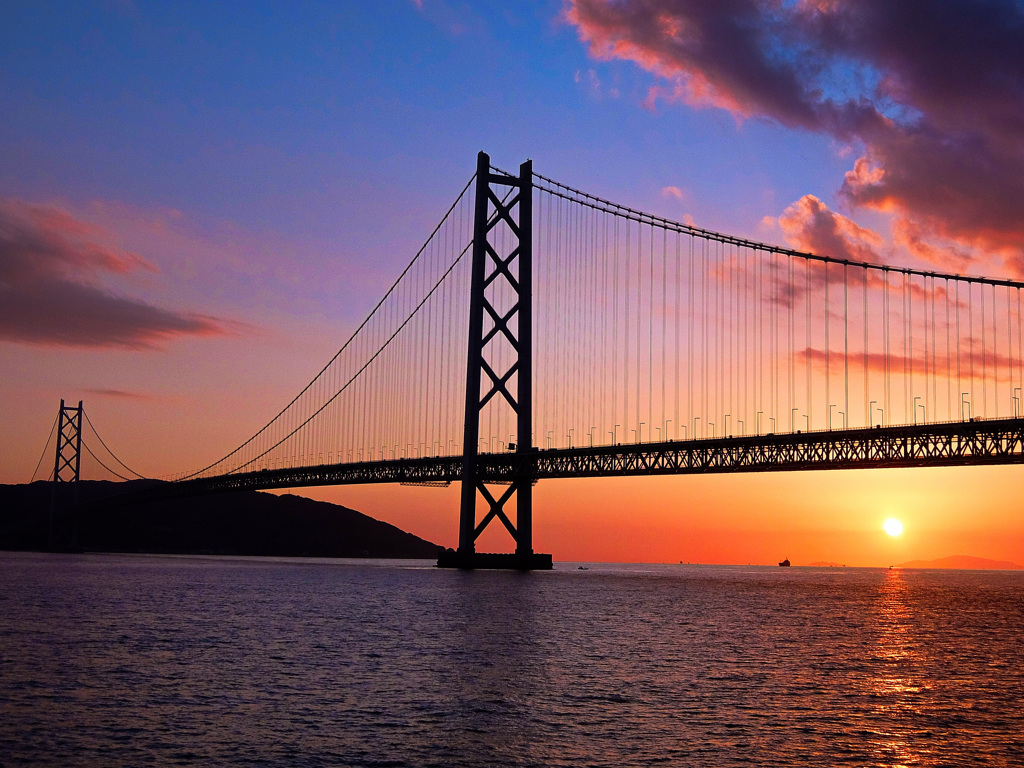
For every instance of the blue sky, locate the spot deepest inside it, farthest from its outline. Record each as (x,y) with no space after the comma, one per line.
(272,116)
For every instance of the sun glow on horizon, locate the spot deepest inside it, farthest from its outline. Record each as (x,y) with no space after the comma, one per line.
(893,527)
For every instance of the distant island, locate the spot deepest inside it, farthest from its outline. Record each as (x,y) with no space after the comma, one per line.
(243,523)
(826,564)
(964,562)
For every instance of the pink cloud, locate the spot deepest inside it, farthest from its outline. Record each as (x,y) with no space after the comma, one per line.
(811,226)
(51,291)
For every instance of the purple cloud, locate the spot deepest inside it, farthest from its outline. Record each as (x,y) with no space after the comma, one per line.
(119,394)
(50,294)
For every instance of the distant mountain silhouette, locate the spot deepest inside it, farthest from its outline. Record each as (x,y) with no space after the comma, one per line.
(244,523)
(964,562)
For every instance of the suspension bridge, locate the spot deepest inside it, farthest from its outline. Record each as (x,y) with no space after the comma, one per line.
(542,332)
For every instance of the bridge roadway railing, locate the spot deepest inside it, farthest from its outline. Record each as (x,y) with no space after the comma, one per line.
(957,443)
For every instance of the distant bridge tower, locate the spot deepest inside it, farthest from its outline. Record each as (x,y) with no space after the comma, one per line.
(500,274)
(67,468)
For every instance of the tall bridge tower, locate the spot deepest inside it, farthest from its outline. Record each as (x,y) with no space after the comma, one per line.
(63,533)
(501,300)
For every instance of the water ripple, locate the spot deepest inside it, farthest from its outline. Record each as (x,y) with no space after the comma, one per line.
(111,660)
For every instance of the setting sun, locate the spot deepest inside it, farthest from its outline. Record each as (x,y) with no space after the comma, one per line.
(893,526)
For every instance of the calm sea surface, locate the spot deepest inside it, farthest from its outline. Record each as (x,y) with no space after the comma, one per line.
(117,660)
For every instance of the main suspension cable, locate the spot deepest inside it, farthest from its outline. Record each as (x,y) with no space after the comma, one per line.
(344,346)
(114,455)
(47,445)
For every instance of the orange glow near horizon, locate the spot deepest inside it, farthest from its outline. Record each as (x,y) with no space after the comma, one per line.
(827,517)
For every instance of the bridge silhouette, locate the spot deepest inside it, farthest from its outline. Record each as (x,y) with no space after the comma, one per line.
(542,332)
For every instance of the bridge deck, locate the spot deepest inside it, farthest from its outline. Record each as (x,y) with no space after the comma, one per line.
(920,445)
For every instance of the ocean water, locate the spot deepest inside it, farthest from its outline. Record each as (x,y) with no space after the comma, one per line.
(142,660)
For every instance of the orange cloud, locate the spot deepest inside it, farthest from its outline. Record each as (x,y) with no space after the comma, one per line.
(1003,367)
(811,226)
(908,234)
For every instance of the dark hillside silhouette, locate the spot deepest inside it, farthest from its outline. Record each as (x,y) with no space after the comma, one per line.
(243,523)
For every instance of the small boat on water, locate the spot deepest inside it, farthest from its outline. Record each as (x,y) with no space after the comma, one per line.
(785,563)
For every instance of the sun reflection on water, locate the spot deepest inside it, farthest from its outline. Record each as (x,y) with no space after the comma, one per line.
(895,683)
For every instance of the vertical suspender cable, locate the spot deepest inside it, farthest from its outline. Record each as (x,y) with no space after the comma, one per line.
(807,339)
(959,376)
(689,344)
(867,391)
(664,321)
(1009,347)
(1020,356)
(970,334)
(906,345)
(885,345)
(984,354)
(677,346)
(828,356)
(846,347)
(949,379)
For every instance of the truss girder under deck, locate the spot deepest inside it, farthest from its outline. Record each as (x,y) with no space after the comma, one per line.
(923,445)
(958,443)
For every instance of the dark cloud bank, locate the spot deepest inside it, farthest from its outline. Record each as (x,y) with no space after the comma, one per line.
(930,92)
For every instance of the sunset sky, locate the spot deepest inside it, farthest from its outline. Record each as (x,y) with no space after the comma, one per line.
(199,202)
